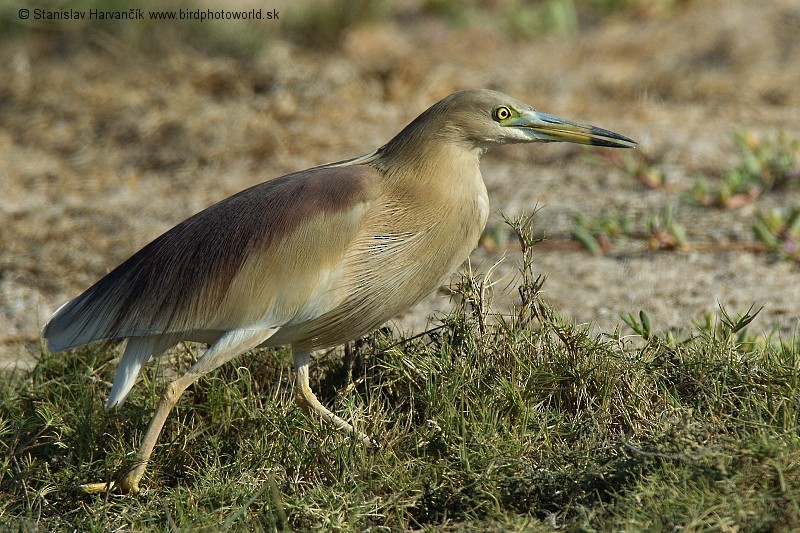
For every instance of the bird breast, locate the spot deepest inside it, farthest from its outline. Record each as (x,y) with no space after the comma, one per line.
(410,241)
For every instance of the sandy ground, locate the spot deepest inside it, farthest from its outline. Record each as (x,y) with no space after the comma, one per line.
(104,145)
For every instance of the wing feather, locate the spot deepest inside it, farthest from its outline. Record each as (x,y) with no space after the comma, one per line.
(192,278)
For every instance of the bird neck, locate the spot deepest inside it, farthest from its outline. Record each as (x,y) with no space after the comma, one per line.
(436,182)
(424,158)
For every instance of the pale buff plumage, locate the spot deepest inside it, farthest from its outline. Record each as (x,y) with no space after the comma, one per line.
(312,259)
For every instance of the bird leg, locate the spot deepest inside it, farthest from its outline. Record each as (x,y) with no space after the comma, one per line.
(129,482)
(226,348)
(307,400)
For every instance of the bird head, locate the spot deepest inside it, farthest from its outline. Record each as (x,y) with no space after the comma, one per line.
(487,118)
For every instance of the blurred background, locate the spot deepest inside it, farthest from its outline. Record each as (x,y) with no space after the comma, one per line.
(112,131)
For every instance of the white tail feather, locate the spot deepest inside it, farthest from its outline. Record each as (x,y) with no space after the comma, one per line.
(138,351)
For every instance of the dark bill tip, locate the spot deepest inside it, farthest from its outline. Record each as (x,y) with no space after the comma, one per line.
(601,137)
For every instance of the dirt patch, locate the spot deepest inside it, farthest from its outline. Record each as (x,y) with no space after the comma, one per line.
(104,146)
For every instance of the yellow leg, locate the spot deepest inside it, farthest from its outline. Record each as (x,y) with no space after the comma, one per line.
(306,399)
(129,483)
(226,348)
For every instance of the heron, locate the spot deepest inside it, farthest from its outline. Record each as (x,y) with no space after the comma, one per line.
(312,259)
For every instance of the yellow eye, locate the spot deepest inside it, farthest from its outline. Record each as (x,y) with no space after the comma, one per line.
(502,113)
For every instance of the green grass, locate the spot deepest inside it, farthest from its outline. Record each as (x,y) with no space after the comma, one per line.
(517,423)
(779,230)
(768,163)
(658,229)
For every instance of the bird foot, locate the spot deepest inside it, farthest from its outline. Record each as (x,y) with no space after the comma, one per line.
(309,404)
(128,485)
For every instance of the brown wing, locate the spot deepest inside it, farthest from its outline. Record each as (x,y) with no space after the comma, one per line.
(251,245)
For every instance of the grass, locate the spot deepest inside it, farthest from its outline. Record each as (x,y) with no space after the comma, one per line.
(779,230)
(658,229)
(768,163)
(523,422)
(531,19)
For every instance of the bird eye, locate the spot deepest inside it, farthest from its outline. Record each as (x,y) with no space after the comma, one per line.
(502,113)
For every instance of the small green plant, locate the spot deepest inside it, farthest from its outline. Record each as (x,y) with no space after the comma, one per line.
(767,162)
(659,230)
(642,327)
(779,231)
(531,283)
(722,328)
(726,328)
(664,232)
(596,234)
